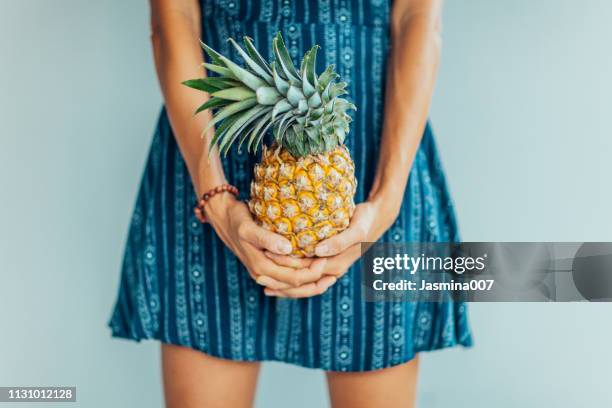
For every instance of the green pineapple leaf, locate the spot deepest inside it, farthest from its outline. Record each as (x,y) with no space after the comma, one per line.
(279,82)
(212,104)
(237,93)
(223,71)
(250,47)
(284,59)
(262,73)
(214,55)
(305,111)
(201,85)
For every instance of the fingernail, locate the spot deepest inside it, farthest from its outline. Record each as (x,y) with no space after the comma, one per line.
(269,292)
(284,247)
(321,250)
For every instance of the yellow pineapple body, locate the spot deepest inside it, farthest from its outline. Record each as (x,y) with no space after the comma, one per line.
(305,199)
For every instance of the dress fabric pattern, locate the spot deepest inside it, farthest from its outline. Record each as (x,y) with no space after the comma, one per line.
(182,286)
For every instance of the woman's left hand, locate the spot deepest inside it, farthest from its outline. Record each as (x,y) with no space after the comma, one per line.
(336,254)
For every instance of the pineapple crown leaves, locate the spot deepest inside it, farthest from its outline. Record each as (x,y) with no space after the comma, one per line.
(305,112)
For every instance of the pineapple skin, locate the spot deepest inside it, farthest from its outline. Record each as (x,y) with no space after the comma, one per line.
(306,199)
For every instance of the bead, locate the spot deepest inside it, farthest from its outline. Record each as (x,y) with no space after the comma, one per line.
(199,209)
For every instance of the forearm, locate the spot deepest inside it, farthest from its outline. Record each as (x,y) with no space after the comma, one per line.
(411,73)
(175,37)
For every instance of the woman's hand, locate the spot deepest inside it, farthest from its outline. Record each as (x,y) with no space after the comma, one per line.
(338,253)
(234,224)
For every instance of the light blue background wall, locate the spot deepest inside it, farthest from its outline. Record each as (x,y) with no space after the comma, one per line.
(522,116)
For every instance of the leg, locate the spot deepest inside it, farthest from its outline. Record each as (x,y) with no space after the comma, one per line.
(390,388)
(194,379)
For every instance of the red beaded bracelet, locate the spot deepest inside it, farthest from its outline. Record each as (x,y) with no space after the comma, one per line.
(223,188)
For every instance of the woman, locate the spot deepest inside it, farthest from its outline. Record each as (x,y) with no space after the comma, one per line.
(188,284)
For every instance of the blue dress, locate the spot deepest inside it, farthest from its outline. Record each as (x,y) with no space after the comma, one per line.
(181,285)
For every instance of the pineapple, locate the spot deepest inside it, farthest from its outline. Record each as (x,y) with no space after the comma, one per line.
(304,186)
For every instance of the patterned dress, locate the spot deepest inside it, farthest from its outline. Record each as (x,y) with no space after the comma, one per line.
(181,285)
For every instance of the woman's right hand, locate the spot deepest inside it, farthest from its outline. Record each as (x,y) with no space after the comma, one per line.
(234,224)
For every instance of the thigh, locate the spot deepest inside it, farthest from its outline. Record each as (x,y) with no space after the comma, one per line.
(390,388)
(194,379)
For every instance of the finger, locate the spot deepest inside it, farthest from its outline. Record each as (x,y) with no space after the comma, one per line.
(289,261)
(338,265)
(319,265)
(264,239)
(299,277)
(332,246)
(309,275)
(263,266)
(309,290)
(271,283)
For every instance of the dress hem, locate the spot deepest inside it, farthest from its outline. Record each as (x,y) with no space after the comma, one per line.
(465,343)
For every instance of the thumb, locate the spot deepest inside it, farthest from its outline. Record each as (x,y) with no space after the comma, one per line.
(264,239)
(338,243)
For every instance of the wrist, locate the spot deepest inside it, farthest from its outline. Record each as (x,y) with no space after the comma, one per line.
(204,208)
(216,207)
(387,206)
(210,175)
(208,184)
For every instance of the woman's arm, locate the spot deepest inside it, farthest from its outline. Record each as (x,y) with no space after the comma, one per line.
(175,34)
(412,67)
(175,26)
